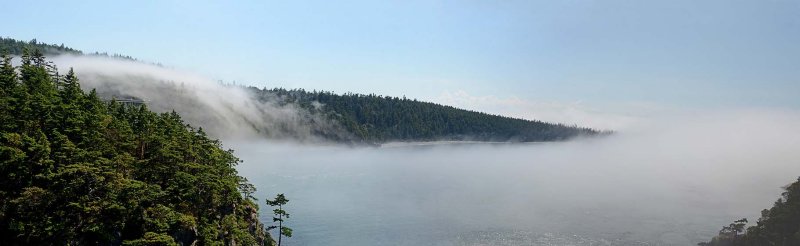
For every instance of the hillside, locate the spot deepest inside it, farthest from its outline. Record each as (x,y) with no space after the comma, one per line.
(374,118)
(75,170)
(347,118)
(16,47)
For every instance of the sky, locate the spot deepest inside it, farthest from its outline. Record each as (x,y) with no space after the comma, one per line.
(610,57)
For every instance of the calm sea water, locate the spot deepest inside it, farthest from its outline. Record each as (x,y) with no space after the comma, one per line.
(579,193)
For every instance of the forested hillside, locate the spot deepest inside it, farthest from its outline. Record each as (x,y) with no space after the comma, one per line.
(357,118)
(779,225)
(15,47)
(380,119)
(75,170)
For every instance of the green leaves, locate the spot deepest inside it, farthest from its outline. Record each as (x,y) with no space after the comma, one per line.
(152,239)
(779,225)
(377,119)
(279,200)
(77,170)
(286,231)
(280,216)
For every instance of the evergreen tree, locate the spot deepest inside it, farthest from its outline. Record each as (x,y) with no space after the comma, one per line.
(280,216)
(779,225)
(8,90)
(378,119)
(77,170)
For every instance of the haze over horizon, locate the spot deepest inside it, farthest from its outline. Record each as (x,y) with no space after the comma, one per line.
(630,122)
(605,63)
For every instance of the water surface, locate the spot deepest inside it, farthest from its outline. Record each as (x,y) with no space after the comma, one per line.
(590,192)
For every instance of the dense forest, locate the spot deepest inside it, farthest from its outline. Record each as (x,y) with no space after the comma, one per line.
(779,225)
(375,118)
(15,47)
(76,170)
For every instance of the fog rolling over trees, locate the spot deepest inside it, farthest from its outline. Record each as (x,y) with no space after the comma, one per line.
(672,179)
(231,111)
(75,170)
(226,111)
(377,118)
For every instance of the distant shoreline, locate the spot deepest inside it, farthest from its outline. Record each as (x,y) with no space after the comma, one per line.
(441,143)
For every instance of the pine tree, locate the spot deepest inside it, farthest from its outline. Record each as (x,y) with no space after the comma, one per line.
(8,89)
(77,170)
(280,216)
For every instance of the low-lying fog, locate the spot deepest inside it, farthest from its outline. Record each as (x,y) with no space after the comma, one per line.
(673,183)
(671,180)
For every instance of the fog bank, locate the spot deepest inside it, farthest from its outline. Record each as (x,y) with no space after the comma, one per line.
(674,182)
(670,179)
(224,111)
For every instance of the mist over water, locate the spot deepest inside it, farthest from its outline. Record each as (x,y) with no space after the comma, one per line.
(672,183)
(666,180)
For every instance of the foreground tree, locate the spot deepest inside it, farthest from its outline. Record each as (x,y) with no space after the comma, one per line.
(77,170)
(779,225)
(279,217)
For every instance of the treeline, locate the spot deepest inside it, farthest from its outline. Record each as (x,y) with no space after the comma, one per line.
(75,170)
(16,47)
(779,225)
(375,118)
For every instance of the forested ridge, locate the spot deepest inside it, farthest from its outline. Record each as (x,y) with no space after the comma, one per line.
(779,225)
(76,170)
(15,47)
(374,118)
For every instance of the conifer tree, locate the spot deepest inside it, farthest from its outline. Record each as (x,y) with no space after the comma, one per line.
(77,170)
(280,216)
(8,87)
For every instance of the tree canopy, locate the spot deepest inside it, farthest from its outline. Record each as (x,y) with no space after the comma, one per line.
(16,47)
(377,119)
(77,170)
(374,118)
(779,225)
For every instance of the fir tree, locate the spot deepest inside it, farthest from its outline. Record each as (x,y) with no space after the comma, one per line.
(280,216)
(77,170)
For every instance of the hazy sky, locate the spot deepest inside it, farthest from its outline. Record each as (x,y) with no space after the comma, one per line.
(677,53)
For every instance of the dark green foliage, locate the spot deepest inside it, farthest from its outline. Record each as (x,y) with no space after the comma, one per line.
(779,225)
(16,47)
(378,119)
(79,171)
(280,216)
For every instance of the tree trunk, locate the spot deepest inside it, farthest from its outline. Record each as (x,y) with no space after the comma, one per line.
(280,227)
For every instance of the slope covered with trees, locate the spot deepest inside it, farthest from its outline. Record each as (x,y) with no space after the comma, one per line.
(15,47)
(76,170)
(779,225)
(375,118)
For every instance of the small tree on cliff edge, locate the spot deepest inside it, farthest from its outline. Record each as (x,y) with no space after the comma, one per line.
(279,216)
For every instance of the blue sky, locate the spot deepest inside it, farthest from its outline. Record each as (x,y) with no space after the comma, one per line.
(681,53)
